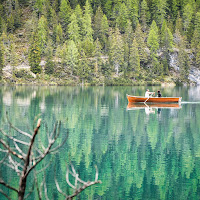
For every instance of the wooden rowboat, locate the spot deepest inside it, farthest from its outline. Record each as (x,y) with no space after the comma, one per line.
(140,99)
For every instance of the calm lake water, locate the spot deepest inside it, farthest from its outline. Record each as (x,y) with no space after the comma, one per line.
(141,153)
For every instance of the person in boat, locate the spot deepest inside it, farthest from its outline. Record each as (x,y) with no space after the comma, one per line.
(149,94)
(159,94)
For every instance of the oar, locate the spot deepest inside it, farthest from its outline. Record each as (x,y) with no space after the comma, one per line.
(146,100)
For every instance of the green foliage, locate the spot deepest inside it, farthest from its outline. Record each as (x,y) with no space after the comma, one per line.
(153,38)
(134,57)
(42,31)
(22,73)
(35,55)
(144,15)
(65,13)
(1,59)
(74,29)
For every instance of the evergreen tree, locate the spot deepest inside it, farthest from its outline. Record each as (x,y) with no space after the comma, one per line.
(187,17)
(144,15)
(142,46)
(104,31)
(121,17)
(59,34)
(42,33)
(116,52)
(159,9)
(83,68)
(134,57)
(79,15)
(153,38)
(39,7)
(35,55)
(183,60)
(98,54)
(97,23)
(49,66)
(87,32)
(1,59)
(10,23)
(133,10)
(87,22)
(166,44)
(74,30)
(65,13)
(72,57)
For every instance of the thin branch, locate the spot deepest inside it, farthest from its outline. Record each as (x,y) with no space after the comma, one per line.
(8,186)
(2,192)
(67,179)
(56,148)
(37,186)
(18,149)
(88,184)
(10,150)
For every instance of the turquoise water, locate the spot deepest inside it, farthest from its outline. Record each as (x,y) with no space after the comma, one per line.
(141,153)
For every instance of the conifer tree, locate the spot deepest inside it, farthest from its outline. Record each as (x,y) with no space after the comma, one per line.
(79,15)
(65,13)
(144,15)
(97,54)
(87,43)
(49,66)
(116,52)
(122,17)
(97,23)
(104,31)
(42,33)
(153,44)
(159,10)
(72,57)
(153,38)
(133,10)
(83,68)
(10,23)
(35,55)
(187,16)
(183,60)
(59,34)
(1,59)
(74,30)
(134,57)
(142,46)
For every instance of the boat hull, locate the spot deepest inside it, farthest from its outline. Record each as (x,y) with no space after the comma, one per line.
(138,99)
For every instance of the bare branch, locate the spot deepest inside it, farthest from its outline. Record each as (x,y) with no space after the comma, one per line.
(8,186)
(56,148)
(2,192)
(97,173)
(67,179)
(88,184)
(10,150)
(18,149)
(2,150)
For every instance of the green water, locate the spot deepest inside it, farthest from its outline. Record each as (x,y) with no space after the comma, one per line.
(139,155)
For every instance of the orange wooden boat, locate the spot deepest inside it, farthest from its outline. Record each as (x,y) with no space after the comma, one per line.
(140,99)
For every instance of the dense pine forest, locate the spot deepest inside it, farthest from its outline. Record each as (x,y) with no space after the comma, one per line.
(99,42)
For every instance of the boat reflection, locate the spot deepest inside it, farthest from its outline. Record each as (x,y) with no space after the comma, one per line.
(150,108)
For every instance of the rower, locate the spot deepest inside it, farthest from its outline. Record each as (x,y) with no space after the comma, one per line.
(149,94)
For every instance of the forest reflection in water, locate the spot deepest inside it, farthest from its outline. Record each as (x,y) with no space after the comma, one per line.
(139,155)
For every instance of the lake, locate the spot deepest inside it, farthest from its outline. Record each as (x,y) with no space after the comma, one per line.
(141,153)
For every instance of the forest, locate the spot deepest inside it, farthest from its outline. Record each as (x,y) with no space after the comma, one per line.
(107,42)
